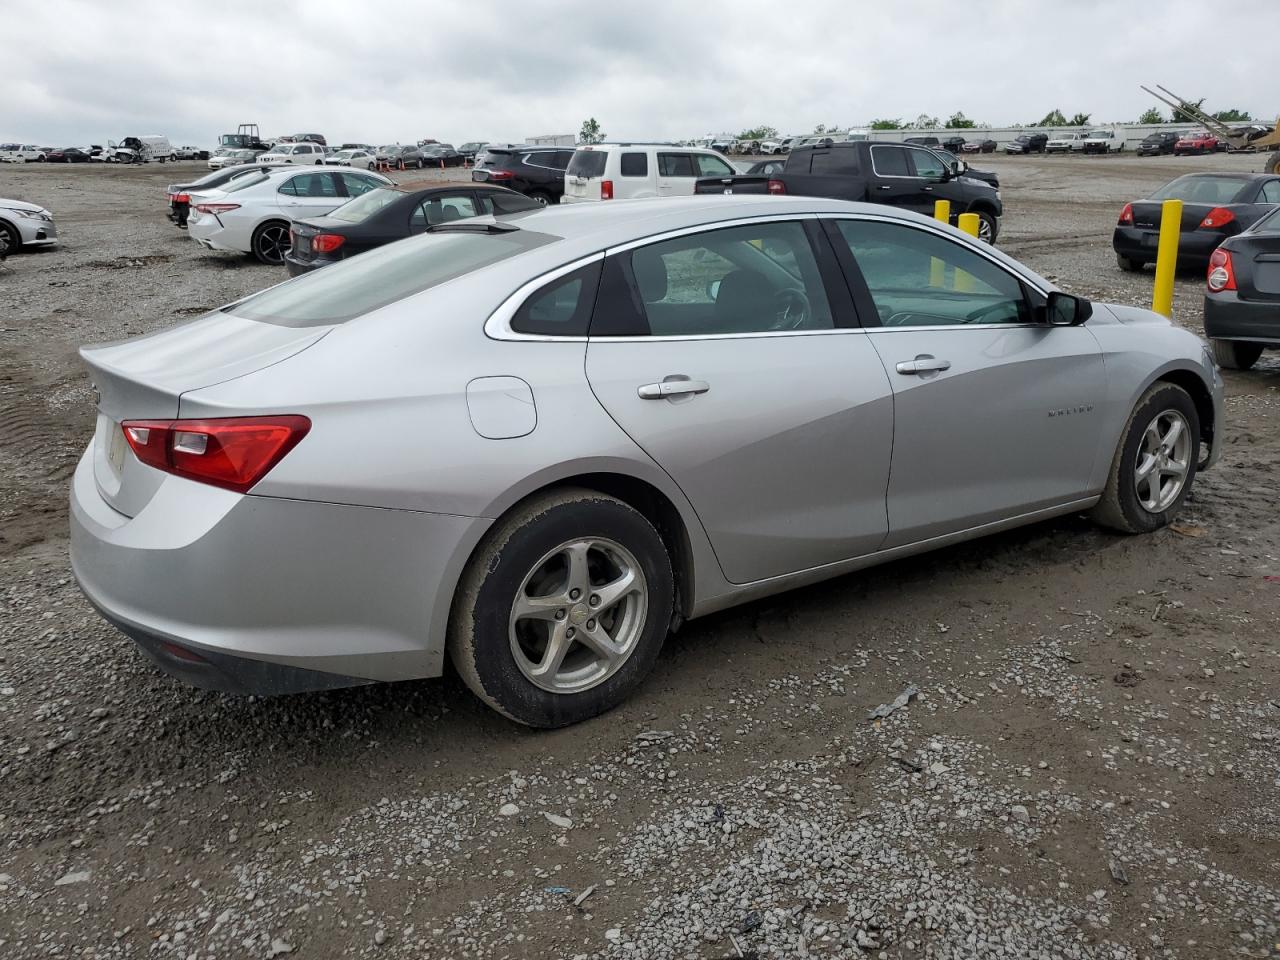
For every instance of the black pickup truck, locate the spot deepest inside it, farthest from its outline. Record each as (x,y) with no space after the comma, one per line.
(900,175)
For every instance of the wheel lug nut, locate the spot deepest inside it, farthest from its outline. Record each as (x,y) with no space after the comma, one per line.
(570,633)
(575,593)
(595,601)
(559,614)
(591,624)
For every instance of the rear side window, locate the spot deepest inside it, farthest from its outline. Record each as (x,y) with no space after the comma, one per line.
(635,165)
(310,185)
(562,308)
(357,185)
(675,165)
(890,162)
(588,163)
(834,161)
(362,284)
(1270,192)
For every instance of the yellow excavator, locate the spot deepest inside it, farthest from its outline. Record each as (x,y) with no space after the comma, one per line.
(1223,131)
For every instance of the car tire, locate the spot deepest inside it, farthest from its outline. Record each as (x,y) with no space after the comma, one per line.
(989,225)
(266,245)
(1131,504)
(542,197)
(1235,354)
(1129,265)
(493,649)
(10,239)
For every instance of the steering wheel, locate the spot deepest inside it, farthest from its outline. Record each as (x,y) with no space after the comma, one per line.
(981,312)
(793,308)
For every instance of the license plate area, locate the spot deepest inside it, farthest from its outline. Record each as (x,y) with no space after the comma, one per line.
(1151,239)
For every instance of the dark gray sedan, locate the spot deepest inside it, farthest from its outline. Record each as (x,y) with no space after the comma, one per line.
(1242,303)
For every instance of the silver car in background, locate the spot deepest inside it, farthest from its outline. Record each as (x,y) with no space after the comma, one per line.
(24,224)
(537,446)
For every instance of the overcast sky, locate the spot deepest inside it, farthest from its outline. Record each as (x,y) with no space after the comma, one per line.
(395,70)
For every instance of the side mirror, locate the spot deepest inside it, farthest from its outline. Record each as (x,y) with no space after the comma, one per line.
(1066,310)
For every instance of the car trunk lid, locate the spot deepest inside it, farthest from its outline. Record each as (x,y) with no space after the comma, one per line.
(145,378)
(1256,265)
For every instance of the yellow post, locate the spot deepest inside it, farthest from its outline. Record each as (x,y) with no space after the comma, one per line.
(938,268)
(1167,257)
(968,222)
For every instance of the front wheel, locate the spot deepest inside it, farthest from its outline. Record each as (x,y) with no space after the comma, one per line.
(1234,354)
(563,609)
(987,227)
(1155,463)
(10,239)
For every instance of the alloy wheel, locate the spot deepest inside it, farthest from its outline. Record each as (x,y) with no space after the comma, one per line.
(1163,462)
(578,615)
(984,229)
(273,243)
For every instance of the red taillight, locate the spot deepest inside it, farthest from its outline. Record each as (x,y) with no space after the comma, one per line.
(1222,274)
(1126,216)
(230,452)
(181,198)
(327,242)
(501,175)
(606,189)
(216,207)
(1217,217)
(777,186)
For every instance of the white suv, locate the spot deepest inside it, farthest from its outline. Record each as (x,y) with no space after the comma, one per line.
(630,171)
(22,153)
(294,153)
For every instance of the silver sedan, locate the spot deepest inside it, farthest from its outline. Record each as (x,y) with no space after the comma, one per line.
(537,446)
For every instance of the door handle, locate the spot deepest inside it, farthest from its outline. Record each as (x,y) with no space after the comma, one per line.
(928,189)
(924,365)
(674,386)
(884,186)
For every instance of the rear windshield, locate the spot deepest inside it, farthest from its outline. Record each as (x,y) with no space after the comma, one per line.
(1191,189)
(1270,224)
(366,205)
(362,284)
(587,163)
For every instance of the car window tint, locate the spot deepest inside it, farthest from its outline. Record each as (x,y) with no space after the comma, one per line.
(927,164)
(540,159)
(758,278)
(366,205)
(675,165)
(443,208)
(831,161)
(357,185)
(1270,192)
(633,165)
(890,162)
(919,278)
(310,185)
(562,308)
(712,166)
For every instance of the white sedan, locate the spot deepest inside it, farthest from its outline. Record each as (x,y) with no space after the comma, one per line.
(252,213)
(352,158)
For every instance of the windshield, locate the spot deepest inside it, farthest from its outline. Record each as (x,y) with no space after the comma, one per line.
(1100,135)
(366,205)
(389,148)
(1202,189)
(587,163)
(362,284)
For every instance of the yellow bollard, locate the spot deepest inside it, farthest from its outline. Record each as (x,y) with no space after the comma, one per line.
(968,222)
(938,268)
(1167,257)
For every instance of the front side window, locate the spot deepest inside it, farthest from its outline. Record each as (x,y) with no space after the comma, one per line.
(357,185)
(760,278)
(675,165)
(709,166)
(928,165)
(917,278)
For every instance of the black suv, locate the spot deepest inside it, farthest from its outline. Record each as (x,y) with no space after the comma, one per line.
(1154,144)
(1028,143)
(537,172)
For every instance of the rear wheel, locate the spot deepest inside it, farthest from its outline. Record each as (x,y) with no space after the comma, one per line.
(541,196)
(1155,463)
(1236,355)
(271,242)
(1129,265)
(563,609)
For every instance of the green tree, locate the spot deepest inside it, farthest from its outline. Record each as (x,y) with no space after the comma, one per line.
(1053,118)
(759,133)
(923,122)
(882,124)
(1233,116)
(1151,115)
(591,132)
(1079,120)
(1180,117)
(959,121)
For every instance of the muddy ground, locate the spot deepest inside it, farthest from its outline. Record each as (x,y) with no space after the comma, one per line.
(1090,769)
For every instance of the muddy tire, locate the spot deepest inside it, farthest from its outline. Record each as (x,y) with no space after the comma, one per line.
(1128,265)
(1155,463)
(1235,355)
(563,609)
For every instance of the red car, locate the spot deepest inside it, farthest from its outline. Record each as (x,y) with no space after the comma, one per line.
(1197,141)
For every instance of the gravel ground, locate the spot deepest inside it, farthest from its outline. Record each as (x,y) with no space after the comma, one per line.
(1085,764)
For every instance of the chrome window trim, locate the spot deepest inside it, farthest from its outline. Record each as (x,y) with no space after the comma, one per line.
(498,326)
(891,176)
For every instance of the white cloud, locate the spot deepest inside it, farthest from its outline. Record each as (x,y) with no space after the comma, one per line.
(87,71)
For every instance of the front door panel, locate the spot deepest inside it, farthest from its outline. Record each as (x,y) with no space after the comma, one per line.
(785,456)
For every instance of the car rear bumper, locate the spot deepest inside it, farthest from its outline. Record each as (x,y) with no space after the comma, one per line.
(298,267)
(1141,243)
(264,595)
(1227,317)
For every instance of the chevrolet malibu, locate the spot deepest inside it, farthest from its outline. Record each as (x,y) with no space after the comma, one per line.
(536,446)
